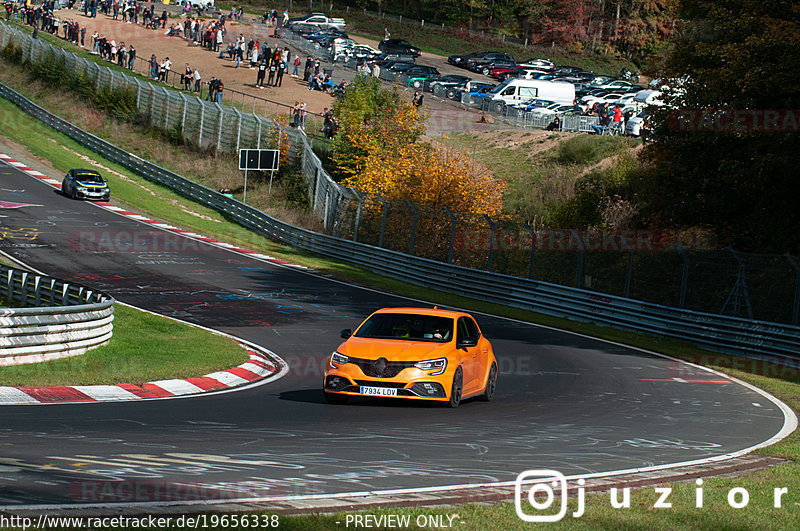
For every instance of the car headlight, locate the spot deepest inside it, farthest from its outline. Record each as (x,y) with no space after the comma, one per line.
(338,359)
(438,365)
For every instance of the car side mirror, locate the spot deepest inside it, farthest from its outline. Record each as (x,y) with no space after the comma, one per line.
(468,342)
(346,333)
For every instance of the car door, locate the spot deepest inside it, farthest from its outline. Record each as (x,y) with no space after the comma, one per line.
(470,357)
(67,184)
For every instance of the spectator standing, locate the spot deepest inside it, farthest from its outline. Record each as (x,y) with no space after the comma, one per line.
(212,89)
(83,35)
(262,70)
(417,99)
(220,86)
(273,68)
(196,80)
(131,57)
(296,65)
(279,73)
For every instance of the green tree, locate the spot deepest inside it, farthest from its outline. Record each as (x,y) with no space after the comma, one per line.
(742,184)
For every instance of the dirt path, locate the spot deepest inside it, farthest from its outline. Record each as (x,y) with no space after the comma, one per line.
(180,52)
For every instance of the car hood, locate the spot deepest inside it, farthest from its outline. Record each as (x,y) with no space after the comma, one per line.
(90,185)
(393,349)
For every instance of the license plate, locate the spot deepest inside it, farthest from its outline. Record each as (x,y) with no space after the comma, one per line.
(378,391)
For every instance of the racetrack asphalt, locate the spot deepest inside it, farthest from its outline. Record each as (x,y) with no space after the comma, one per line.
(564,402)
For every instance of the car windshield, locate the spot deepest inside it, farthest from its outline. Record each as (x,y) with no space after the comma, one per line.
(89,178)
(407,327)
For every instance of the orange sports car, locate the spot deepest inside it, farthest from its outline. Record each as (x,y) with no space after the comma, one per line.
(417,353)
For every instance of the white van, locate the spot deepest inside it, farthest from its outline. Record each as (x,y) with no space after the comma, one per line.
(520,90)
(646,97)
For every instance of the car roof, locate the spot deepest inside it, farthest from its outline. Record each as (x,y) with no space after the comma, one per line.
(78,171)
(435,311)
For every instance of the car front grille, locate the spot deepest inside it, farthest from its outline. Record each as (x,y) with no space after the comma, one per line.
(381,368)
(395,385)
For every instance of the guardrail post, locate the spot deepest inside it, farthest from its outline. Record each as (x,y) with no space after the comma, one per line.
(452,235)
(37,290)
(579,267)
(358,214)
(684,278)
(23,283)
(52,291)
(383,219)
(796,306)
(413,228)
(533,248)
(490,258)
(64,290)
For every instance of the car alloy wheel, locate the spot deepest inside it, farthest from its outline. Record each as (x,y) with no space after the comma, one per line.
(451,93)
(485,71)
(333,398)
(498,107)
(417,84)
(491,385)
(455,391)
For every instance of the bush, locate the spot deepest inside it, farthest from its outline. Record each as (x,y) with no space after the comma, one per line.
(12,53)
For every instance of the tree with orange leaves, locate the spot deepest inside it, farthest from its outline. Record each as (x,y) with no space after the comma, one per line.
(378,151)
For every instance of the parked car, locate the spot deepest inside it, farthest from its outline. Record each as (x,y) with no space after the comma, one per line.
(616,85)
(476,63)
(532,104)
(553,109)
(479,91)
(418,74)
(458,60)
(487,67)
(398,46)
(442,86)
(320,20)
(385,58)
(539,64)
(85,184)
(633,126)
(412,353)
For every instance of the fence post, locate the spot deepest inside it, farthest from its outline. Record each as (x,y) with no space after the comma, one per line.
(258,135)
(413,227)
(238,129)
(579,268)
(628,274)
(219,131)
(202,117)
(490,258)
(138,94)
(533,248)
(358,214)
(166,110)
(152,104)
(183,115)
(684,278)
(796,306)
(452,235)
(383,219)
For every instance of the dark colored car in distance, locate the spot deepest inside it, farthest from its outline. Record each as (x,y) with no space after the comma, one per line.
(399,46)
(476,63)
(85,184)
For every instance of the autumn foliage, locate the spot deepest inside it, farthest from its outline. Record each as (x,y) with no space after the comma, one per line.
(378,150)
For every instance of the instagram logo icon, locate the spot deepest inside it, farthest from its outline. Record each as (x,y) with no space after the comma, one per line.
(538,493)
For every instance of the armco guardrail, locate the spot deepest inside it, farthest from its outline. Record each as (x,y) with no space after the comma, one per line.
(65,319)
(715,332)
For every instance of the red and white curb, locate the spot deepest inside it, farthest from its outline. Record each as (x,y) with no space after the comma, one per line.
(189,234)
(259,367)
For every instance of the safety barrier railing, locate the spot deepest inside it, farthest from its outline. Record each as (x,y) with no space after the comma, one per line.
(60,319)
(716,332)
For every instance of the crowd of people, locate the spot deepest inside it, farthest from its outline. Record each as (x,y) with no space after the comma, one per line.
(270,63)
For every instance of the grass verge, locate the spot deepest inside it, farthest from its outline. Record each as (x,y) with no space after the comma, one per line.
(145,347)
